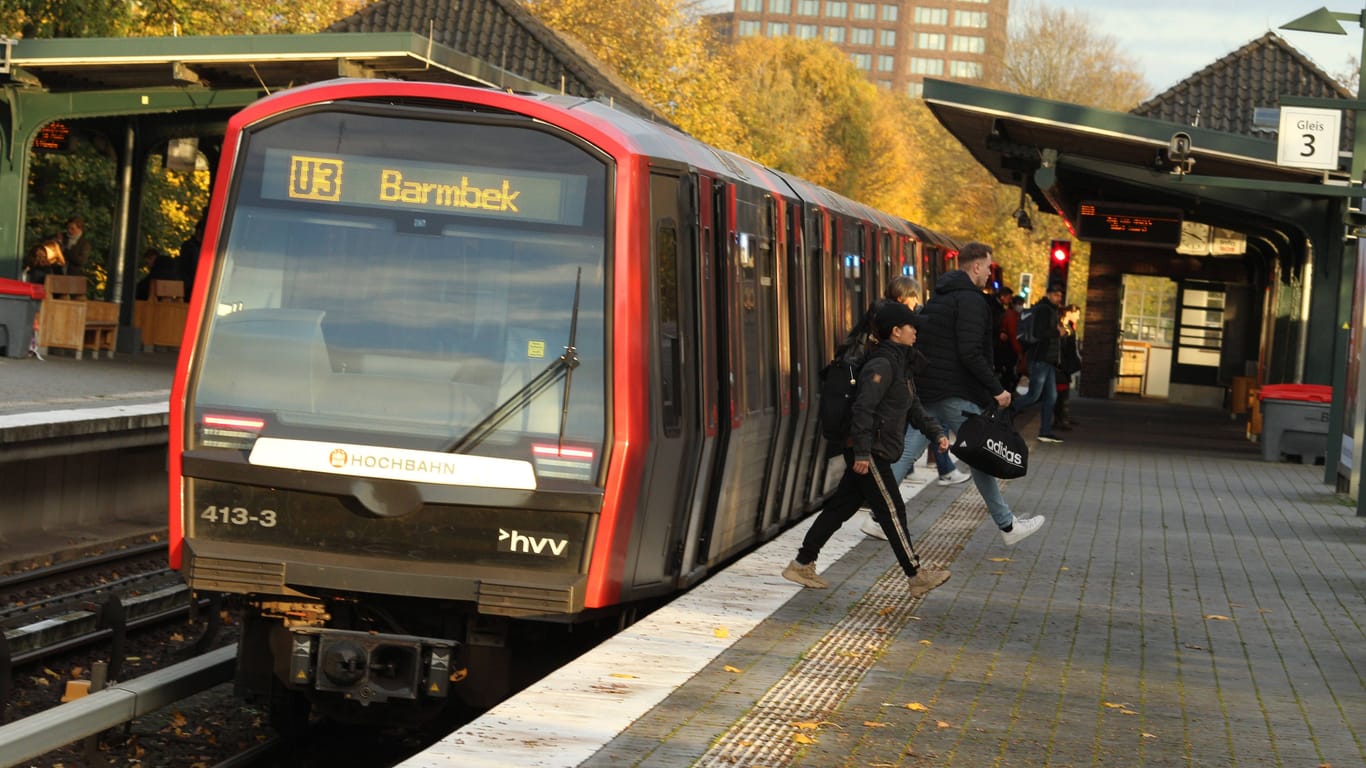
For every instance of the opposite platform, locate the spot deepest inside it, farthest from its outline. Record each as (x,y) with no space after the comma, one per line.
(1188,604)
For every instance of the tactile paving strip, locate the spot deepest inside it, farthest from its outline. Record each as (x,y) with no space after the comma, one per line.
(814,687)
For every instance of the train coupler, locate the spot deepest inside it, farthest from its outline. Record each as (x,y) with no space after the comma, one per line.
(370,668)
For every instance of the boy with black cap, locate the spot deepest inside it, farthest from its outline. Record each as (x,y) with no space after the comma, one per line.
(885,399)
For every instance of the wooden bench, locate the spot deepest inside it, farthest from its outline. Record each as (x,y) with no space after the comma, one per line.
(67,320)
(161,316)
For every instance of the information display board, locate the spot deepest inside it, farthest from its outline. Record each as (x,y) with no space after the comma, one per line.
(1149,226)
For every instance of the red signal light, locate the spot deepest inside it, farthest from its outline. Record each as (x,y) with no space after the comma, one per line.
(1060,251)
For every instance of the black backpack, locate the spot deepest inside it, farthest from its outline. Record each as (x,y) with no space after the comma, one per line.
(839,382)
(1026,329)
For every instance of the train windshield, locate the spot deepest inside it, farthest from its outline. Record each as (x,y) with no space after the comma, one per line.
(411,282)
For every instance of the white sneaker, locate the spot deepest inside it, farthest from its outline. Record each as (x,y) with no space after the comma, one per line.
(871,528)
(955,477)
(804,575)
(1022,529)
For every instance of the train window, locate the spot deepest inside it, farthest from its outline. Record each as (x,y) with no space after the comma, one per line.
(664,200)
(398,294)
(745,250)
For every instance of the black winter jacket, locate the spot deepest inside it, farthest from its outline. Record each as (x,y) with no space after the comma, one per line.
(885,402)
(1047,348)
(958,343)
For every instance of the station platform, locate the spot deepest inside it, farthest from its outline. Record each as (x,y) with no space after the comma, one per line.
(1186,604)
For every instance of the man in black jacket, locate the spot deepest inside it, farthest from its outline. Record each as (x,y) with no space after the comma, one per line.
(961,375)
(885,400)
(1044,358)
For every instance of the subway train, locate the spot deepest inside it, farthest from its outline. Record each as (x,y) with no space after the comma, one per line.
(466,367)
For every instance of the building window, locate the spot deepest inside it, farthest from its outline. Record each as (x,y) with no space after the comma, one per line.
(863,61)
(807,31)
(886,63)
(780,6)
(969,44)
(889,13)
(861,36)
(865,11)
(931,15)
(747,29)
(808,7)
(930,41)
(885,85)
(777,29)
(752,6)
(834,34)
(927,66)
(976,19)
(836,10)
(968,70)
(887,38)
(915,90)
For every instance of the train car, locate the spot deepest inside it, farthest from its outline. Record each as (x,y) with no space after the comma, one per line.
(465,367)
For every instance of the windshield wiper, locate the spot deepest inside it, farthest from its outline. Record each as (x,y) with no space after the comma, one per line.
(564,366)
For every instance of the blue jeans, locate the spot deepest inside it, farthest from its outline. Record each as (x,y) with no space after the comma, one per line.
(949,414)
(1043,385)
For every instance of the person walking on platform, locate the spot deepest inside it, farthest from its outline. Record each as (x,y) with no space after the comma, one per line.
(1070,357)
(1044,358)
(885,396)
(960,375)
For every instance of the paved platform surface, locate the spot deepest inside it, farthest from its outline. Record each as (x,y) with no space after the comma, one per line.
(61,382)
(1187,604)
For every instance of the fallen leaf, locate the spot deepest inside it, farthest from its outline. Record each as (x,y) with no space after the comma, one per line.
(1147,735)
(872,724)
(1064,568)
(178,720)
(1000,559)
(721,632)
(802,738)
(731,669)
(1127,712)
(1193,646)
(942,724)
(623,675)
(806,725)
(1217,617)
(886,611)
(916,706)
(1112,705)
(926,642)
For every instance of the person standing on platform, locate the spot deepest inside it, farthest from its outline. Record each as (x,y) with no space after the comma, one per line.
(189,257)
(885,395)
(1009,354)
(75,247)
(961,376)
(1044,359)
(1069,356)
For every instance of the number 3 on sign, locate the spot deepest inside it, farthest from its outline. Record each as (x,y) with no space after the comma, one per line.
(1309,138)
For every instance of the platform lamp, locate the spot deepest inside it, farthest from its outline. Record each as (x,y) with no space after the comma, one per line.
(1354,424)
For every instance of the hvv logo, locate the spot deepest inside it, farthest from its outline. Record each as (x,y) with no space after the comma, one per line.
(512,541)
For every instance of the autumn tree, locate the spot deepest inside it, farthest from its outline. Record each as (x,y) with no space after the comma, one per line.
(1055,53)
(663,51)
(808,111)
(150,18)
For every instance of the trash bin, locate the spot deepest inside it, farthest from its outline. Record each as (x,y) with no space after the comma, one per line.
(1295,421)
(19,303)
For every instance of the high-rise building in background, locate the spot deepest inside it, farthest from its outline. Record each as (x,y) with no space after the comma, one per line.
(897,44)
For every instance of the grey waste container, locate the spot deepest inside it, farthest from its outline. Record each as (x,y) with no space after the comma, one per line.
(18,307)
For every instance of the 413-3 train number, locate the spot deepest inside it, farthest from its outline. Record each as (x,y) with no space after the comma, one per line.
(238,516)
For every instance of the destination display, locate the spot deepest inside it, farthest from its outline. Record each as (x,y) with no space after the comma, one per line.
(1143,225)
(53,137)
(427,187)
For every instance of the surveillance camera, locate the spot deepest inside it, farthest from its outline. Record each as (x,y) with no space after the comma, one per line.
(1179,148)
(1022,219)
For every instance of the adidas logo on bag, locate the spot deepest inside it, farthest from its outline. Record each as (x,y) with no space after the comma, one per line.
(999,448)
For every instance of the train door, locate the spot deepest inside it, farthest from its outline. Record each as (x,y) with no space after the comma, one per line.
(782,464)
(747,333)
(677,407)
(802,319)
